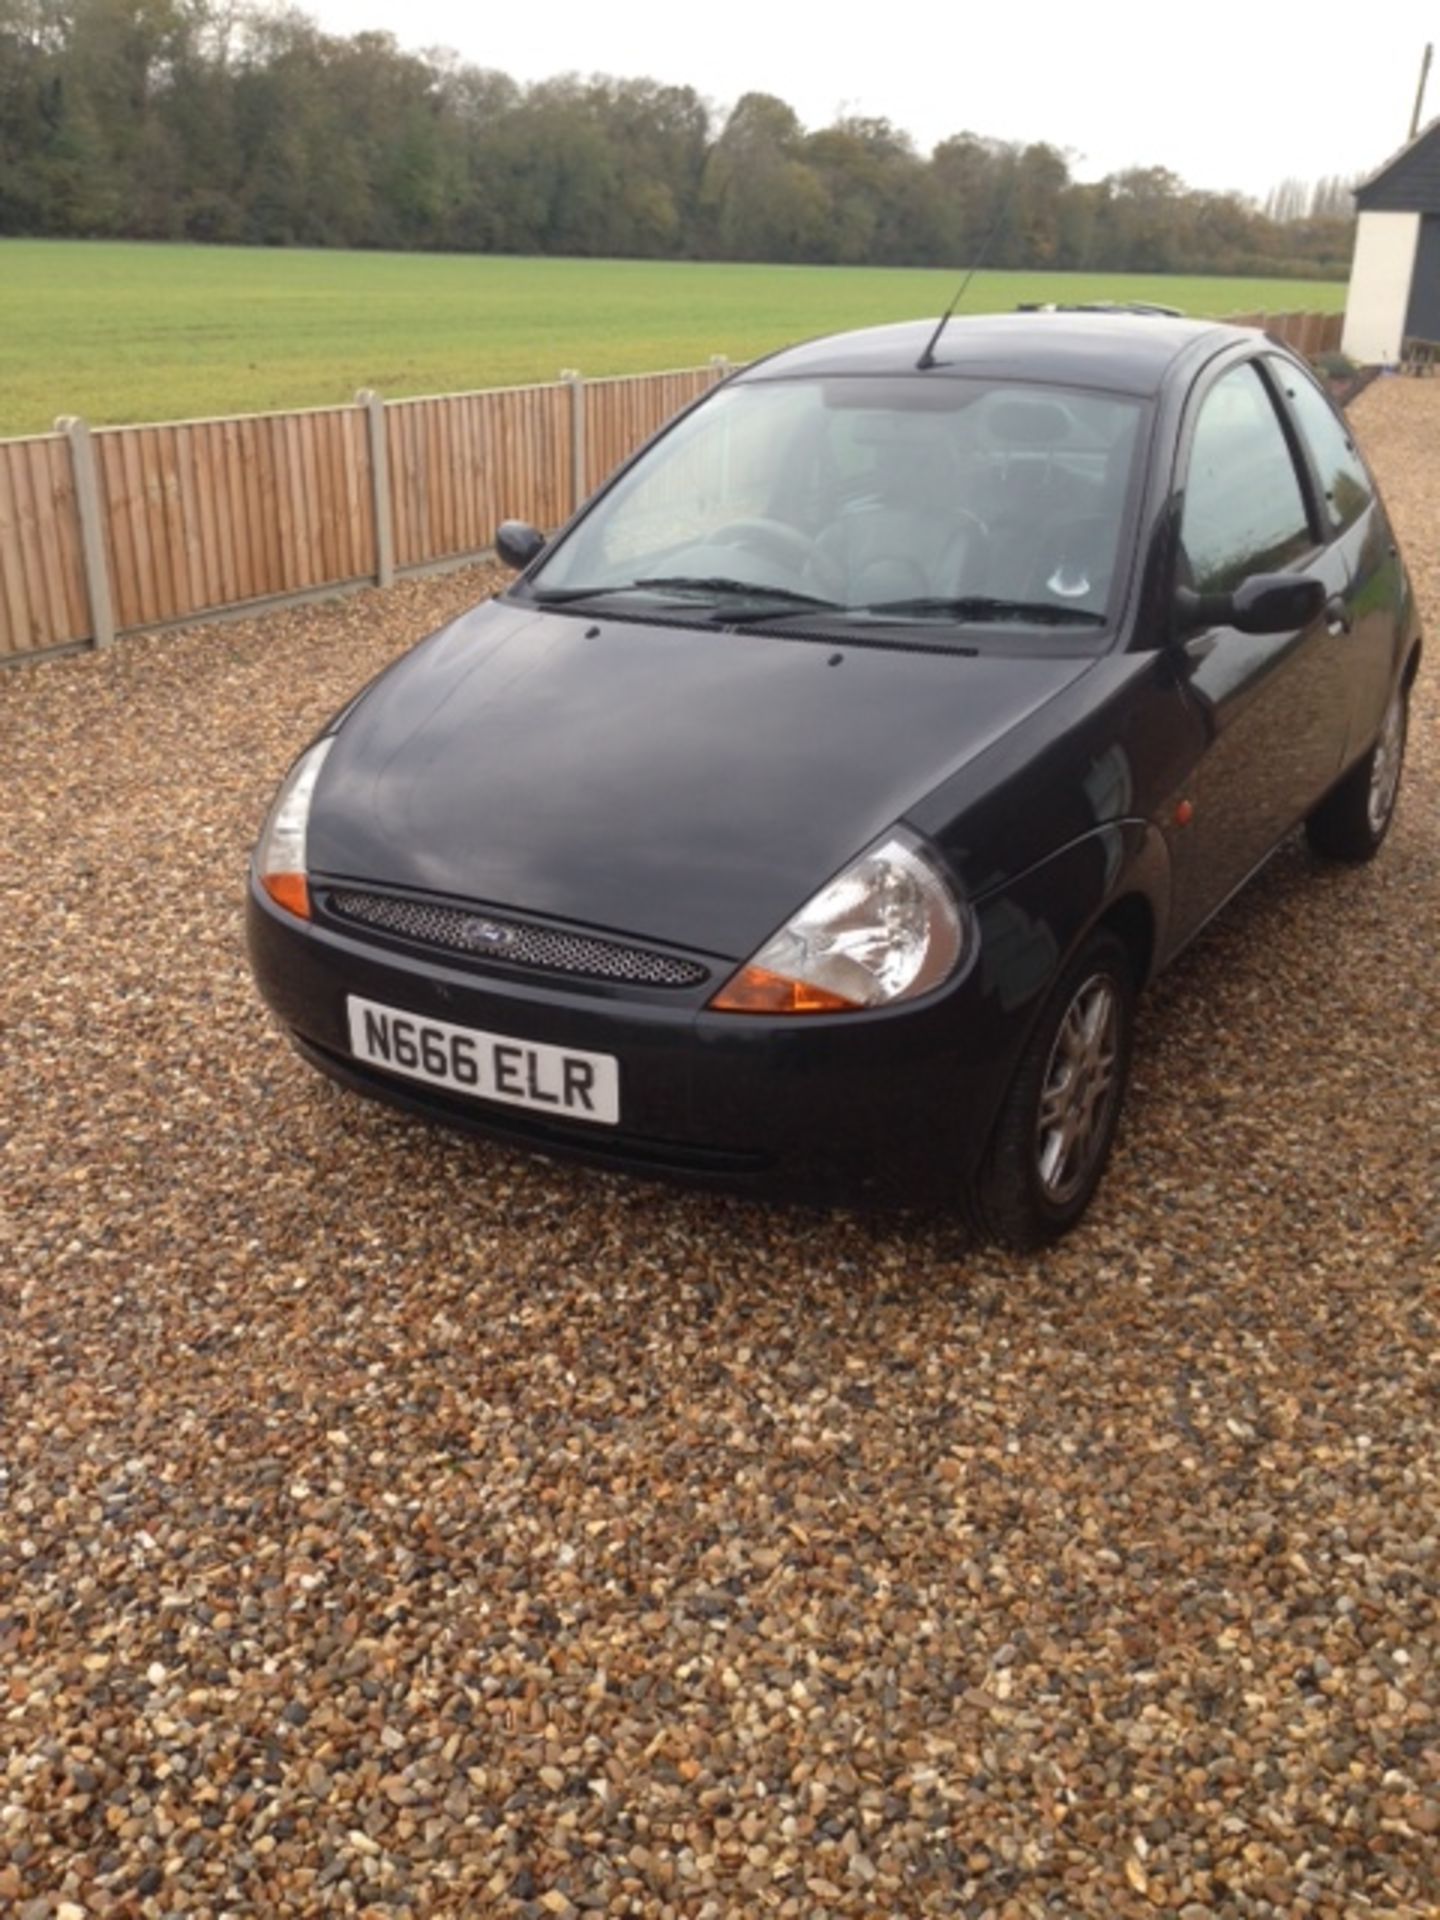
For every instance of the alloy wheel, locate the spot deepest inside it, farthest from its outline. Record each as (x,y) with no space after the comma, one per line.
(1078,1090)
(1385,765)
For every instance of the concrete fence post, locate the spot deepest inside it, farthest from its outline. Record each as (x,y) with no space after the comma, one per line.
(576,383)
(92,531)
(374,409)
(719,367)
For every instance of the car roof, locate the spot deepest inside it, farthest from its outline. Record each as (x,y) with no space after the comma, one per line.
(1118,352)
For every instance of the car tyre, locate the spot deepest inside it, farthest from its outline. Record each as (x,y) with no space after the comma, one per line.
(1351,822)
(1057,1123)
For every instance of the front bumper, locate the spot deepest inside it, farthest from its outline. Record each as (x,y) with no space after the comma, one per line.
(889,1106)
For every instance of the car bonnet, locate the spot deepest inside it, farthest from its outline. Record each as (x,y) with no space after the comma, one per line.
(687,785)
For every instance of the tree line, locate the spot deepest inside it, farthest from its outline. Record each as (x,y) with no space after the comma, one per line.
(200,120)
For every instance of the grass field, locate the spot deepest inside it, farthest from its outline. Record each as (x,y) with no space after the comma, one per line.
(128,332)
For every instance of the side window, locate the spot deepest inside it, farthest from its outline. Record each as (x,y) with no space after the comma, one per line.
(1244,511)
(1342,472)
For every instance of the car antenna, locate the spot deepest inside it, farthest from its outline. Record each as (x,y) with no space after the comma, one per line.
(927,358)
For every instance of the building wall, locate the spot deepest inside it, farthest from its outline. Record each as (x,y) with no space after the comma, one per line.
(1379,294)
(1422,319)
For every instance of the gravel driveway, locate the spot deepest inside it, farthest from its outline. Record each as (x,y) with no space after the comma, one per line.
(392,1524)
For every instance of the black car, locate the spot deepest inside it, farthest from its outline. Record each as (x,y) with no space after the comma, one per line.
(809,813)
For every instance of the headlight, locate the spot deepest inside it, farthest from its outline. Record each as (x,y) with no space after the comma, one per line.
(280,852)
(886,929)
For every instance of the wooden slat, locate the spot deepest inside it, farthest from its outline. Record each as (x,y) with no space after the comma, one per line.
(222,575)
(47,538)
(560,441)
(143,601)
(239,440)
(349,519)
(417,426)
(64,510)
(450,436)
(468,455)
(211,590)
(359,505)
(16,628)
(266,507)
(331,431)
(262,573)
(402,492)
(190,522)
(420,480)
(425,422)
(526,475)
(300,498)
(327,496)
(109,480)
(398,502)
(286,565)
(172,514)
(150,498)
(136,601)
(320,561)
(223,458)
(523,481)
(315,558)
(488,511)
(31,548)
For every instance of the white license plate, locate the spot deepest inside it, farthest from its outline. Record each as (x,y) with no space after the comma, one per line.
(487,1066)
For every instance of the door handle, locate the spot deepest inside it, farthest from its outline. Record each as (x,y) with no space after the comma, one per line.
(1337,614)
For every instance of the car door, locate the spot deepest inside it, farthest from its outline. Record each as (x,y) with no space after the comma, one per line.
(1357,523)
(1273,707)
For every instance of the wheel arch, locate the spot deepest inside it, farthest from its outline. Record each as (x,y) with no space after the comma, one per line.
(1116,877)
(1132,917)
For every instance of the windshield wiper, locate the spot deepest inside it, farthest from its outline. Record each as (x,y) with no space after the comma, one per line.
(766,605)
(981,607)
(686,583)
(718,583)
(562,596)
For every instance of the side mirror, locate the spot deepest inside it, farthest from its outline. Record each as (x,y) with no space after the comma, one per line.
(517,542)
(1265,603)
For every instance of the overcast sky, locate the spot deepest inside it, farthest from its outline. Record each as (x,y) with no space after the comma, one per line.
(1226,95)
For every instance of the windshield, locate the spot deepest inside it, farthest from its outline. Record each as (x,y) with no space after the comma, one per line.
(887,503)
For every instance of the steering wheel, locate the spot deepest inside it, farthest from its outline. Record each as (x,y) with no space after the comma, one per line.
(772,539)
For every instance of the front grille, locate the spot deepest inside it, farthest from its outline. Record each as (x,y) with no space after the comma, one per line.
(518,943)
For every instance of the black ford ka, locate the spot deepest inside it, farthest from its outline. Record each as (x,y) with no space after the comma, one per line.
(809,813)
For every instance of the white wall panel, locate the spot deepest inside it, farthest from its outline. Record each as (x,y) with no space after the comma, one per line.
(1380,274)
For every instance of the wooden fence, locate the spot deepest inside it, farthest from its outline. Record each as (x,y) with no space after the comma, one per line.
(117,529)
(124,528)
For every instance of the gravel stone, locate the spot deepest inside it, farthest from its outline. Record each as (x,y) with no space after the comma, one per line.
(394,1525)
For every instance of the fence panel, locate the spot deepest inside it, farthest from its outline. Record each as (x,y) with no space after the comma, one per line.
(1309,333)
(463,462)
(42,576)
(209,513)
(621,414)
